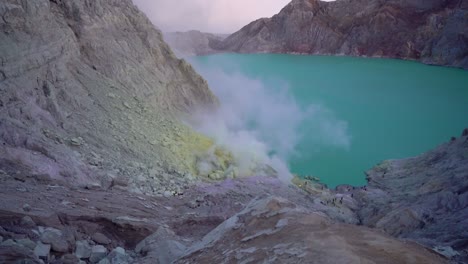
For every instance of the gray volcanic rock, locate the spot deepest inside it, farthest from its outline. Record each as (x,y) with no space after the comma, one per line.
(274,230)
(424,198)
(17,254)
(83,249)
(90,92)
(433,32)
(159,228)
(193,42)
(55,238)
(42,251)
(98,252)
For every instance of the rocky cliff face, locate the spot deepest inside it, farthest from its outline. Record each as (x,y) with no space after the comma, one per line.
(424,198)
(90,93)
(433,32)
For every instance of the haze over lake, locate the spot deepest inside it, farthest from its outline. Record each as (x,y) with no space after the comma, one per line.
(352,112)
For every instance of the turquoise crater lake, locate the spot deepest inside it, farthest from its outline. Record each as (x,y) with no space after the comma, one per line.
(393,109)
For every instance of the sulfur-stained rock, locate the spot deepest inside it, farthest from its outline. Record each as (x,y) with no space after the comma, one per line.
(67,63)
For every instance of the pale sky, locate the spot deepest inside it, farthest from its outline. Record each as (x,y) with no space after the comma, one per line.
(215,16)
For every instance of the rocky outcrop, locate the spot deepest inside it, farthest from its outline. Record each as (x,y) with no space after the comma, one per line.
(420,200)
(193,42)
(274,230)
(91,94)
(255,219)
(407,203)
(433,32)
(424,198)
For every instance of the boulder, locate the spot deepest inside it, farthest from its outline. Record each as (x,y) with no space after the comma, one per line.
(162,245)
(26,207)
(98,252)
(28,243)
(82,249)
(42,251)
(8,243)
(104,261)
(70,259)
(27,221)
(55,238)
(101,239)
(119,256)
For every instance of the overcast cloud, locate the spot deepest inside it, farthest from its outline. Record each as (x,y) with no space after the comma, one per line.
(216,16)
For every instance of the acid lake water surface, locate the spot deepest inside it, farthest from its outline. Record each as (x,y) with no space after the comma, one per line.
(393,109)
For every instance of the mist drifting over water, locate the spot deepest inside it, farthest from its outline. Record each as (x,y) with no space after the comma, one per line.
(258,123)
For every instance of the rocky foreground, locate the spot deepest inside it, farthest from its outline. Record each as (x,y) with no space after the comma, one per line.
(97,166)
(422,201)
(432,31)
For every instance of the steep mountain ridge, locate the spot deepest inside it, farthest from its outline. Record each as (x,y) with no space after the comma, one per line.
(433,32)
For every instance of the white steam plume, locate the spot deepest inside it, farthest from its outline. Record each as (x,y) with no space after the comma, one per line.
(260,124)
